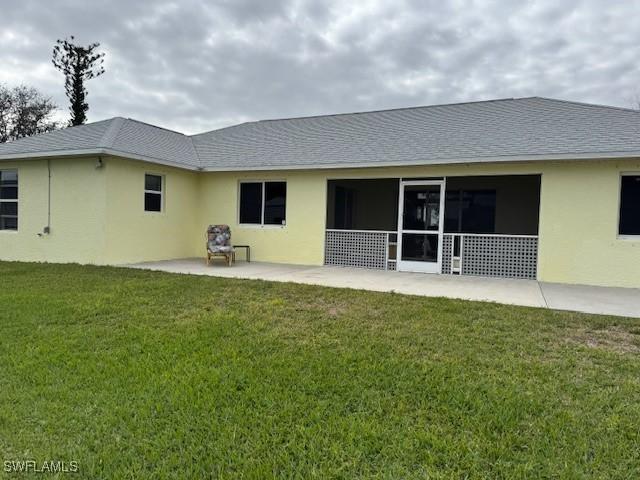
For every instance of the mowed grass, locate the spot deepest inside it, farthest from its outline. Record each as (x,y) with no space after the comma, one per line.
(137,374)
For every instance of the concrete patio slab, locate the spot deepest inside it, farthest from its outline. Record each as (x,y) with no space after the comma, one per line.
(612,301)
(583,298)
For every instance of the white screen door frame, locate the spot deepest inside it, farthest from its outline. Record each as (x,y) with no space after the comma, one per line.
(422,266)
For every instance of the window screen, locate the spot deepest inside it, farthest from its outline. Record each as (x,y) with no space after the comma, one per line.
(470,211)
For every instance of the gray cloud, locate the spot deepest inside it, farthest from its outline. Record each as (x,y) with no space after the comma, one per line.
(196,65)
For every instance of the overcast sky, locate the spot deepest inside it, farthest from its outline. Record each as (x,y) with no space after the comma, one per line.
(196,65)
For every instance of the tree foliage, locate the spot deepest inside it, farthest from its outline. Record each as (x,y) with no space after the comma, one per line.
(24,111)
(78,64)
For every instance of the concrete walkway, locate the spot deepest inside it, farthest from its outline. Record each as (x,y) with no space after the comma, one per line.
(602,300)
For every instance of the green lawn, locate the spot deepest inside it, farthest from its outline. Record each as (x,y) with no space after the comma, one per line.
(138,374)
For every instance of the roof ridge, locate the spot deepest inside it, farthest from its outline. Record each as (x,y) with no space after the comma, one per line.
(224,128)
(586,104)
(415,107)
(55,132)
(365,112)
(155,126)
(110,134)
(195,152)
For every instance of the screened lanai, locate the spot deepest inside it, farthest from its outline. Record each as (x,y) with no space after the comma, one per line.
(464,225)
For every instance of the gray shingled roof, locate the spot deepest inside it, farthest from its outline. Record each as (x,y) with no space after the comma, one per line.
(116,136)
(499,130)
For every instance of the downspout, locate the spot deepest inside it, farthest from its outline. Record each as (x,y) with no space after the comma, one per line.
(47,229)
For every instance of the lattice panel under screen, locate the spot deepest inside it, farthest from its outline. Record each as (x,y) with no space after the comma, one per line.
(356,249)
(447,249)
(511,257)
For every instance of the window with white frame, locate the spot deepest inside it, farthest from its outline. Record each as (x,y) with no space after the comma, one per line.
(629,223)
(153,196)
(8,200)
(263,203)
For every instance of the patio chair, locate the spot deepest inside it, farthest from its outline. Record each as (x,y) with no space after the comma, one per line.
(218,243)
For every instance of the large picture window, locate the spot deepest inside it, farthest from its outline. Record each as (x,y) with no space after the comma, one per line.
(8,200)
(153,186)
(263,203)
(629,205)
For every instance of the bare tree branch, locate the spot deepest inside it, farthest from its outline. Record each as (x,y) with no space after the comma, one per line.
(24,111)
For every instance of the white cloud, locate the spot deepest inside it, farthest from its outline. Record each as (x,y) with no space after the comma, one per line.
(195,65)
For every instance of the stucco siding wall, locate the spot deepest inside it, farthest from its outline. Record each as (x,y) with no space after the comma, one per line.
(133,235)
(77,212)
(301,241)
(579,240)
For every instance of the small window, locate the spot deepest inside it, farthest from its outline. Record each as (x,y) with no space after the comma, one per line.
(629,205)
(263,203)
(153,193)
(8,200)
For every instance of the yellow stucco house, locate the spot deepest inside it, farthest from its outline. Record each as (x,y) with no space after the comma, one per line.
(520,188)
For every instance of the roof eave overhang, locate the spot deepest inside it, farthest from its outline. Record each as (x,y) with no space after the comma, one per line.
(438,162)
(327,166)
(85,152)
(92,152)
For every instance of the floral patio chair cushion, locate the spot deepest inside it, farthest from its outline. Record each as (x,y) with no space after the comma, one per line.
(219,239)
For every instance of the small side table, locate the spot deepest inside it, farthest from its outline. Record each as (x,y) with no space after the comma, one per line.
(247,250)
